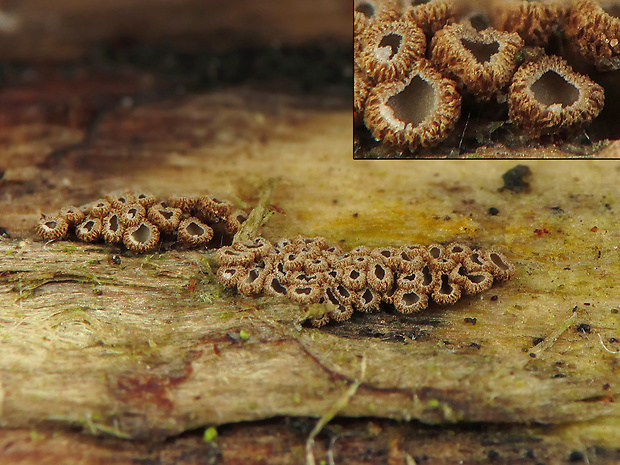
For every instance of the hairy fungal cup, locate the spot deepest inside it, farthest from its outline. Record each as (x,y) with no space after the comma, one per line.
(310,271)
(140,222)
(434,73)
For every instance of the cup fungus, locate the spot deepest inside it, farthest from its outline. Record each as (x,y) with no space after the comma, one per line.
(146,200)
(184,203)
(138,220)
(534,21)
(89,230)
(210,207)
(430,15)
(360,92)
(117,202)
(446,292)
(132,213)
(418,111)
(228,275)
(52,228)
(142,237)
(100,208)
(390,49)
(400,100)
(482,62)
(233,221)
(72,214)
(547,97)
(192,232)
(594,30)
(167,219)
(113,228)
(409,300)
(361,279)
(372,10)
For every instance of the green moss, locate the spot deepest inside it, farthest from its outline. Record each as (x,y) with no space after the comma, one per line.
(210,434)
(35,436)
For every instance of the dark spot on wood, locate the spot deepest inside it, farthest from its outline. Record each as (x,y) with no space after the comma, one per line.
(473,321)
(514,179)
(532,354)
(494,298)
(559,375)
(475,345)
(493,455)
(493,211)
(576,456)
(537,340)
(583,328)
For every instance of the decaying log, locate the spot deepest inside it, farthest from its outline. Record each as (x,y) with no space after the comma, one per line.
(153,346)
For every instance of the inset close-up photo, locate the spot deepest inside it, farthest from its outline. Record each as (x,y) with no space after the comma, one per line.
(487,79)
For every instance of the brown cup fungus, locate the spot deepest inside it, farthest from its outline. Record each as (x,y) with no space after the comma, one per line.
(373,10)
(89,230)
(138,221)
(594,30)
(400,105)
(212,208)
(192,232)
(309,271)
(113,228)
(233,221)
(390,49)
(430,15)
(534,21)
(360,92)
(72,214)
(142,237)
(117,202)
(547,97)
(418,111)
(52,228)
(100,208)
(146,200)
(482,62)
(132,213)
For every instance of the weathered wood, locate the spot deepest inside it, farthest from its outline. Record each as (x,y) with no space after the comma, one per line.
(281,441)
(152,348)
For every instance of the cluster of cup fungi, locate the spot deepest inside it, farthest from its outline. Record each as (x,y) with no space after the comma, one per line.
(418,62)
(310,271)
(141,221)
